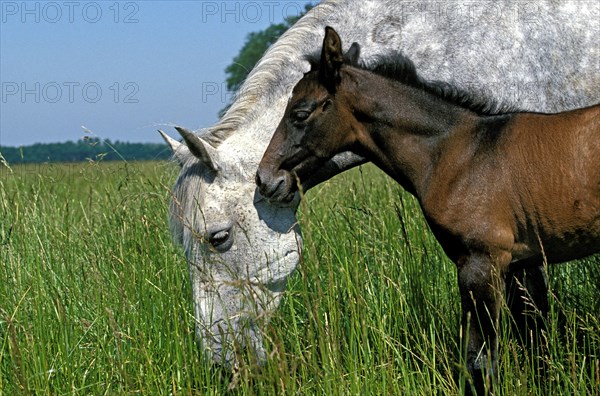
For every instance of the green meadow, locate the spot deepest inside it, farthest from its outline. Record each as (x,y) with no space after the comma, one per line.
(95,298)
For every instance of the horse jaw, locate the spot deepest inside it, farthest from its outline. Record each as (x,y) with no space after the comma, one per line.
(230,319)
(235,293)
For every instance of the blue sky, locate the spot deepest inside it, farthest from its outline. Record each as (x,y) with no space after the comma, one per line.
(121,69)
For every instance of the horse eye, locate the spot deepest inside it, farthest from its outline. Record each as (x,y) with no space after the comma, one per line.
(219,240)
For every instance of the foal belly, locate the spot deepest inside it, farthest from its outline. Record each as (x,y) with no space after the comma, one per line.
(561,228)
(555,183)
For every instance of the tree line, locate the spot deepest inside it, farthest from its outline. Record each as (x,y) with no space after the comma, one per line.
(88,149)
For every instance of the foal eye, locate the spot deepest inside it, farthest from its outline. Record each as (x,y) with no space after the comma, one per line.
(300,115)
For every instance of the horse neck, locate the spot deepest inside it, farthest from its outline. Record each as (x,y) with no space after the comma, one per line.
(405,129)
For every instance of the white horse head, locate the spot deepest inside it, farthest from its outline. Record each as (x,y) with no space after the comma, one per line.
(241,249)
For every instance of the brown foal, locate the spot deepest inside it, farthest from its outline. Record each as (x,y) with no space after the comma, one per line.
(501,192)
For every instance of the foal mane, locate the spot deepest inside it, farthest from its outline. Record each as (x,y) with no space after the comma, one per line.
(399,67)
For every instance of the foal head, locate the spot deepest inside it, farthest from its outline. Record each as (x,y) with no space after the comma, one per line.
(316,124)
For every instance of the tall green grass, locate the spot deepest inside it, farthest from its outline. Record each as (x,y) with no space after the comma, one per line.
(95,299)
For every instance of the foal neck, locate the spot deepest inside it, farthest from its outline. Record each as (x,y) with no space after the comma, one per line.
(404,129)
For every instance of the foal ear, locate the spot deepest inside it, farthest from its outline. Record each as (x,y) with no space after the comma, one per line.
(351,56)
(331,59)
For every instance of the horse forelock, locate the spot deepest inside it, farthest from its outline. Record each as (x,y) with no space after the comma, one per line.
(186,192)
(189,192)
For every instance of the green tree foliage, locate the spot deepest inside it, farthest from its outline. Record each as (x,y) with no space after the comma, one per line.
(254,48)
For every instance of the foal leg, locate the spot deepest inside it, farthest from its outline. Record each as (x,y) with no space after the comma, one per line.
(480,291)
(527,298)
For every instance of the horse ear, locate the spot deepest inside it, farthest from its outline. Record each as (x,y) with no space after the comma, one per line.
(199,148)
(352,55)
(331,59)
(179,150)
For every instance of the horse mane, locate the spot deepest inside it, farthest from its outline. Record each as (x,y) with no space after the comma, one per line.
(399,67)
(266,80)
